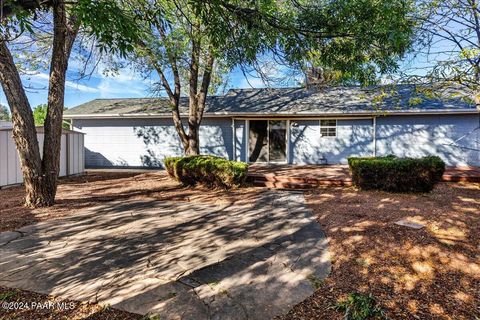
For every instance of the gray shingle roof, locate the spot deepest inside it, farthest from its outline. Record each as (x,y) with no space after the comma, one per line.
(289,101)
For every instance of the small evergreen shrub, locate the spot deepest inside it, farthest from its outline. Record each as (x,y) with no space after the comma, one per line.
(396,174)
(210,171)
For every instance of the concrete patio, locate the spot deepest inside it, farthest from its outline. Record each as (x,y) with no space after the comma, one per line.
(175,259)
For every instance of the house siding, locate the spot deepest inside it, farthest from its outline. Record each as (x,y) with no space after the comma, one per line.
(146,142)
(240,140)
(354,138)
(455,138)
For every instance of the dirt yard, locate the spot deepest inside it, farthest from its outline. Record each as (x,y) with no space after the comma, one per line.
(430,273)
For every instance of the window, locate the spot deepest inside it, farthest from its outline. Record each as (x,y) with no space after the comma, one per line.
(328,128)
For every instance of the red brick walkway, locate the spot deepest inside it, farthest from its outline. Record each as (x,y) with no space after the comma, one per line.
(310,176)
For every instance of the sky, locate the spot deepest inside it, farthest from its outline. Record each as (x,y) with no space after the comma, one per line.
(127,84)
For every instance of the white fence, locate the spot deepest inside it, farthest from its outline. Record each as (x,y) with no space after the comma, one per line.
(72,155)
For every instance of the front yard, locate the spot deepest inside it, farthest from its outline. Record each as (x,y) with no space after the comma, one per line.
(428,273)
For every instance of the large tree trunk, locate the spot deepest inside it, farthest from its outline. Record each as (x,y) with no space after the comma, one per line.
(40,175)
(193,147)
(63,39)
(24,133)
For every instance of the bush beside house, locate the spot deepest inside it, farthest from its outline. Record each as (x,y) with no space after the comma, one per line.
(210,171)
(396,174)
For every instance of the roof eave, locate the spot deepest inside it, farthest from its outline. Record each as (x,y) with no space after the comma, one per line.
(283,114)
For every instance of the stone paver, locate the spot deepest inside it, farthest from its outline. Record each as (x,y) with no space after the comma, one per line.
(179,260)
(409,224)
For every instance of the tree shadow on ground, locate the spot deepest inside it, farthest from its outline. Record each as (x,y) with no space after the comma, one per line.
(431,273)
(138,250)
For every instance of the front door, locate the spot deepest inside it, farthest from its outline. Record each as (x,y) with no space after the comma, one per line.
(267,141)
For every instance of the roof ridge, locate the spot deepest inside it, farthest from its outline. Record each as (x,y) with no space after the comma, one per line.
(132,98)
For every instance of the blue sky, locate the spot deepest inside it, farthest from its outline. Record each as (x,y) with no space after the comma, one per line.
(127,84)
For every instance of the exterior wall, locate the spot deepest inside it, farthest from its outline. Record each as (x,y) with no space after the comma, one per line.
(74,145)
(10,170)
(455,138)
(240,140)
(216,137)
(146,142)
(354,138)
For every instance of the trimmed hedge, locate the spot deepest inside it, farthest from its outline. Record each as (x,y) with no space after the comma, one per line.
(210,171)
(396,174)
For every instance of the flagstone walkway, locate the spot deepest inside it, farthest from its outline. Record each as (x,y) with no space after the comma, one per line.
(178,260)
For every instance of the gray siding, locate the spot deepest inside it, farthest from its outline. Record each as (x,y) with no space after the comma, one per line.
(216,137)
(146,142)
(240,140)
(455,138)
(354,138)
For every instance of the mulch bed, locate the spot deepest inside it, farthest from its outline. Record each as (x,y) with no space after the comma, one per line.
(97,188)
(22,304)
(431,273)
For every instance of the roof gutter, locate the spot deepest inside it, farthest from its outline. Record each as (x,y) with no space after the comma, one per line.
(278,114)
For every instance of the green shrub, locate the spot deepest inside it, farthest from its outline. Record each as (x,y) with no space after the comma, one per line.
(210,171)
(396,174)
(359,306)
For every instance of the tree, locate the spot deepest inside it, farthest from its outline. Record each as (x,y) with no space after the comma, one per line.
(449,45)
(103,19)
(4,114)
(40,175)
(190,45)
(40,114)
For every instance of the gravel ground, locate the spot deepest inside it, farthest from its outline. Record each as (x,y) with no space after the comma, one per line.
(430,273)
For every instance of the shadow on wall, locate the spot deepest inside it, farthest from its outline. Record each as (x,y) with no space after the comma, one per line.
(163,141)
(160,142)
(96,159)
(216,137)
(454,146)
(309,148)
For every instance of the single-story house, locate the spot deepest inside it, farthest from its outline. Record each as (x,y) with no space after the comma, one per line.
(287,125)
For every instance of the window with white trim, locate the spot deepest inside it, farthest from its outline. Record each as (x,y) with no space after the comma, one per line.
(328,128)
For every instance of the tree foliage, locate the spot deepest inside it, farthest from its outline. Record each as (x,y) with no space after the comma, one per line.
(193,44)
(63,21)
(448,44)
(39,114)
(4,113)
